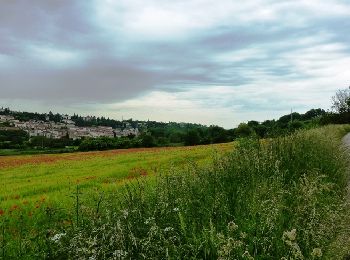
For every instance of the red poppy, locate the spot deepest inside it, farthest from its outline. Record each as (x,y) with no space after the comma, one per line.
(14,207)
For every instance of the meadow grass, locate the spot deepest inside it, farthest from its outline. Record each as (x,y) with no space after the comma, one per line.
(99,170)
(282,198)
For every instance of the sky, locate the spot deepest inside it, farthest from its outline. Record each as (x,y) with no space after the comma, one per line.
(202,61)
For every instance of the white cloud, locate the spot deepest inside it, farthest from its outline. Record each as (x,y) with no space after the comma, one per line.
(246,54)
(6,61)
(54,56)
(182,107)
(155,20)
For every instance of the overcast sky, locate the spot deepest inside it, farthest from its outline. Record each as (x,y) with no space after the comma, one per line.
(211,62)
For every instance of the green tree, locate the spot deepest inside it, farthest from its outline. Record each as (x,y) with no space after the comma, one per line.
(313,113)
(192,137)
(341,101)
(148,140)
(244,130)
(296,124)
(217,134)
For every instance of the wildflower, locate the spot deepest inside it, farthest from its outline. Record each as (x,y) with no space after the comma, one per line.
(316,252)
(290,235)
(168,229)
(2,212)
(235,243)
(56,238)
(232,226)
(221,237)
(125,213)
(176,209)
(243,235)
(14,207)
(247,255)
(120,254)
(148,221)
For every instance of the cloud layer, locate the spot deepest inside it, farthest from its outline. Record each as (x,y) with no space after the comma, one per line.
(193,60)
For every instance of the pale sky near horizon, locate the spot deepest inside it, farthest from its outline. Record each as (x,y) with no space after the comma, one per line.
(210,62)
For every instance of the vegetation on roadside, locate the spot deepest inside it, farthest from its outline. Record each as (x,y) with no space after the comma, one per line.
(267,199)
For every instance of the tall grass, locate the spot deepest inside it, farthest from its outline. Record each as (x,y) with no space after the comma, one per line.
(273,199)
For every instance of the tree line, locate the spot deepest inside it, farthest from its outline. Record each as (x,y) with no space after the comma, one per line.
(155,134)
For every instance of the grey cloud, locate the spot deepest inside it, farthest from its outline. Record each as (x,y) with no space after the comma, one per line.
(94,83)
(61,22)
(116,68)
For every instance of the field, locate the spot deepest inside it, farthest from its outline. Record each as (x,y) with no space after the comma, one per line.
(283,198)
(28,179)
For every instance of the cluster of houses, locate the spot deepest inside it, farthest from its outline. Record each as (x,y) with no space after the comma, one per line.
(66,128)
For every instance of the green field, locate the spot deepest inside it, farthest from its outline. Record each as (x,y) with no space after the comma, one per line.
(54,177)
(282,198)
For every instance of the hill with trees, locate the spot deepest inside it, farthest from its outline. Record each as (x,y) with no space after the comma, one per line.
(153,133)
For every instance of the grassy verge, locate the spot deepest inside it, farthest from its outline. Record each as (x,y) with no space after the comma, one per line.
(280,198)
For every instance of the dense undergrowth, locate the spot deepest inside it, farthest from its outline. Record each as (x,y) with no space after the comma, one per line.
(281,198)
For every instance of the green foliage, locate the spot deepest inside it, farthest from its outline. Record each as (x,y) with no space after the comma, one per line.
(26,116)
(313,113)
(43,142)
(243,130)
(54,117)
(147,140)
(341,101)
(295,125)
(192,137)
(176,134)
(284,125)
(12,139)
(107,143)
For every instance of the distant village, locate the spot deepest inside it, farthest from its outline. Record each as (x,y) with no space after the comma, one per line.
(66,128)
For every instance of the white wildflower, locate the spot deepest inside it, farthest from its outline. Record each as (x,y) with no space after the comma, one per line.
(290,235)
(243,235)
(317,252)
(176,209)
(148,221)
(232,226)
(56,238)
(247,255)
(125,213)
(120,253)
(168,229)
